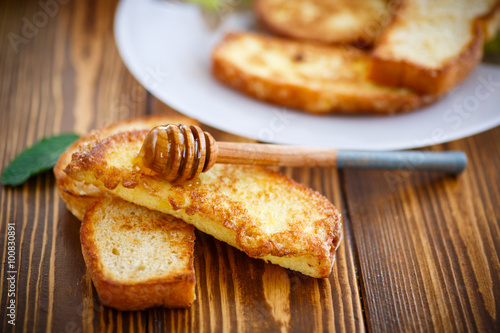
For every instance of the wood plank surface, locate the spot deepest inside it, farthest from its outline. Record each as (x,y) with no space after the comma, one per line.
(69,77)
(428,245)
(420,250)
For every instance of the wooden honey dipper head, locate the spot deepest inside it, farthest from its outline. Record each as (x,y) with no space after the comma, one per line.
(177,152)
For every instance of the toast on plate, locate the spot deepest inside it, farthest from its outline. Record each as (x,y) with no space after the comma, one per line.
(431,46)
(252,208)
(327,21)
(79,196)
(138,258)
(301,75)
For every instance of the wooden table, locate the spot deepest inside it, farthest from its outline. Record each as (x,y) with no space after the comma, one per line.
(420,250)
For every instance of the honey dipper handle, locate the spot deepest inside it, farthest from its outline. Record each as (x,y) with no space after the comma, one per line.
(453,162)
(279,155)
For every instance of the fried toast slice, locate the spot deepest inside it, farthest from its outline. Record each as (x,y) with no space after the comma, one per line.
(79,196)
(138,258)
(254,209)
(327,21)
(305,76)
(431,46)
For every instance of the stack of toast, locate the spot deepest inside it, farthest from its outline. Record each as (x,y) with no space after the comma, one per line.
(125,245)
(349,56)
(137,231)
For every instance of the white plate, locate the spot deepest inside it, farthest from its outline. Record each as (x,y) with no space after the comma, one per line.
(167,45)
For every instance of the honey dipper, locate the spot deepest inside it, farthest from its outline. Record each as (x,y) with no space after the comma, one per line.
(181,152)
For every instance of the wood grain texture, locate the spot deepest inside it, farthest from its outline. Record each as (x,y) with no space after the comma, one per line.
(428,245)
(69,77)
(420,251)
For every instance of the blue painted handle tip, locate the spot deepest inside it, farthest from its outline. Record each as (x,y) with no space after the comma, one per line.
(453,162)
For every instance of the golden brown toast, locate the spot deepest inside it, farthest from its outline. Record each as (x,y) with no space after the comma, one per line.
(138,258)
(431,46)
(254,209)
(305,76)
(79,196)
(327,21)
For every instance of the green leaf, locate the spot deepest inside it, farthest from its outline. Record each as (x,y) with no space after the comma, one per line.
(220,5)
(492,50)
(208,4)
(40,157)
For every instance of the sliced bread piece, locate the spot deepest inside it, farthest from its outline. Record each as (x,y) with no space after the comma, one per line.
(327,21)
(79,196)
(138,258)
(431,46)
(254,209)
(305,76)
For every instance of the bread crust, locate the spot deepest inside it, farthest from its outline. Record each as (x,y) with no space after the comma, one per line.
(79,196)
(220,202)
(390,71)
(173,290)
(366,31)
(317,101)
(490,23)
(78,204)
